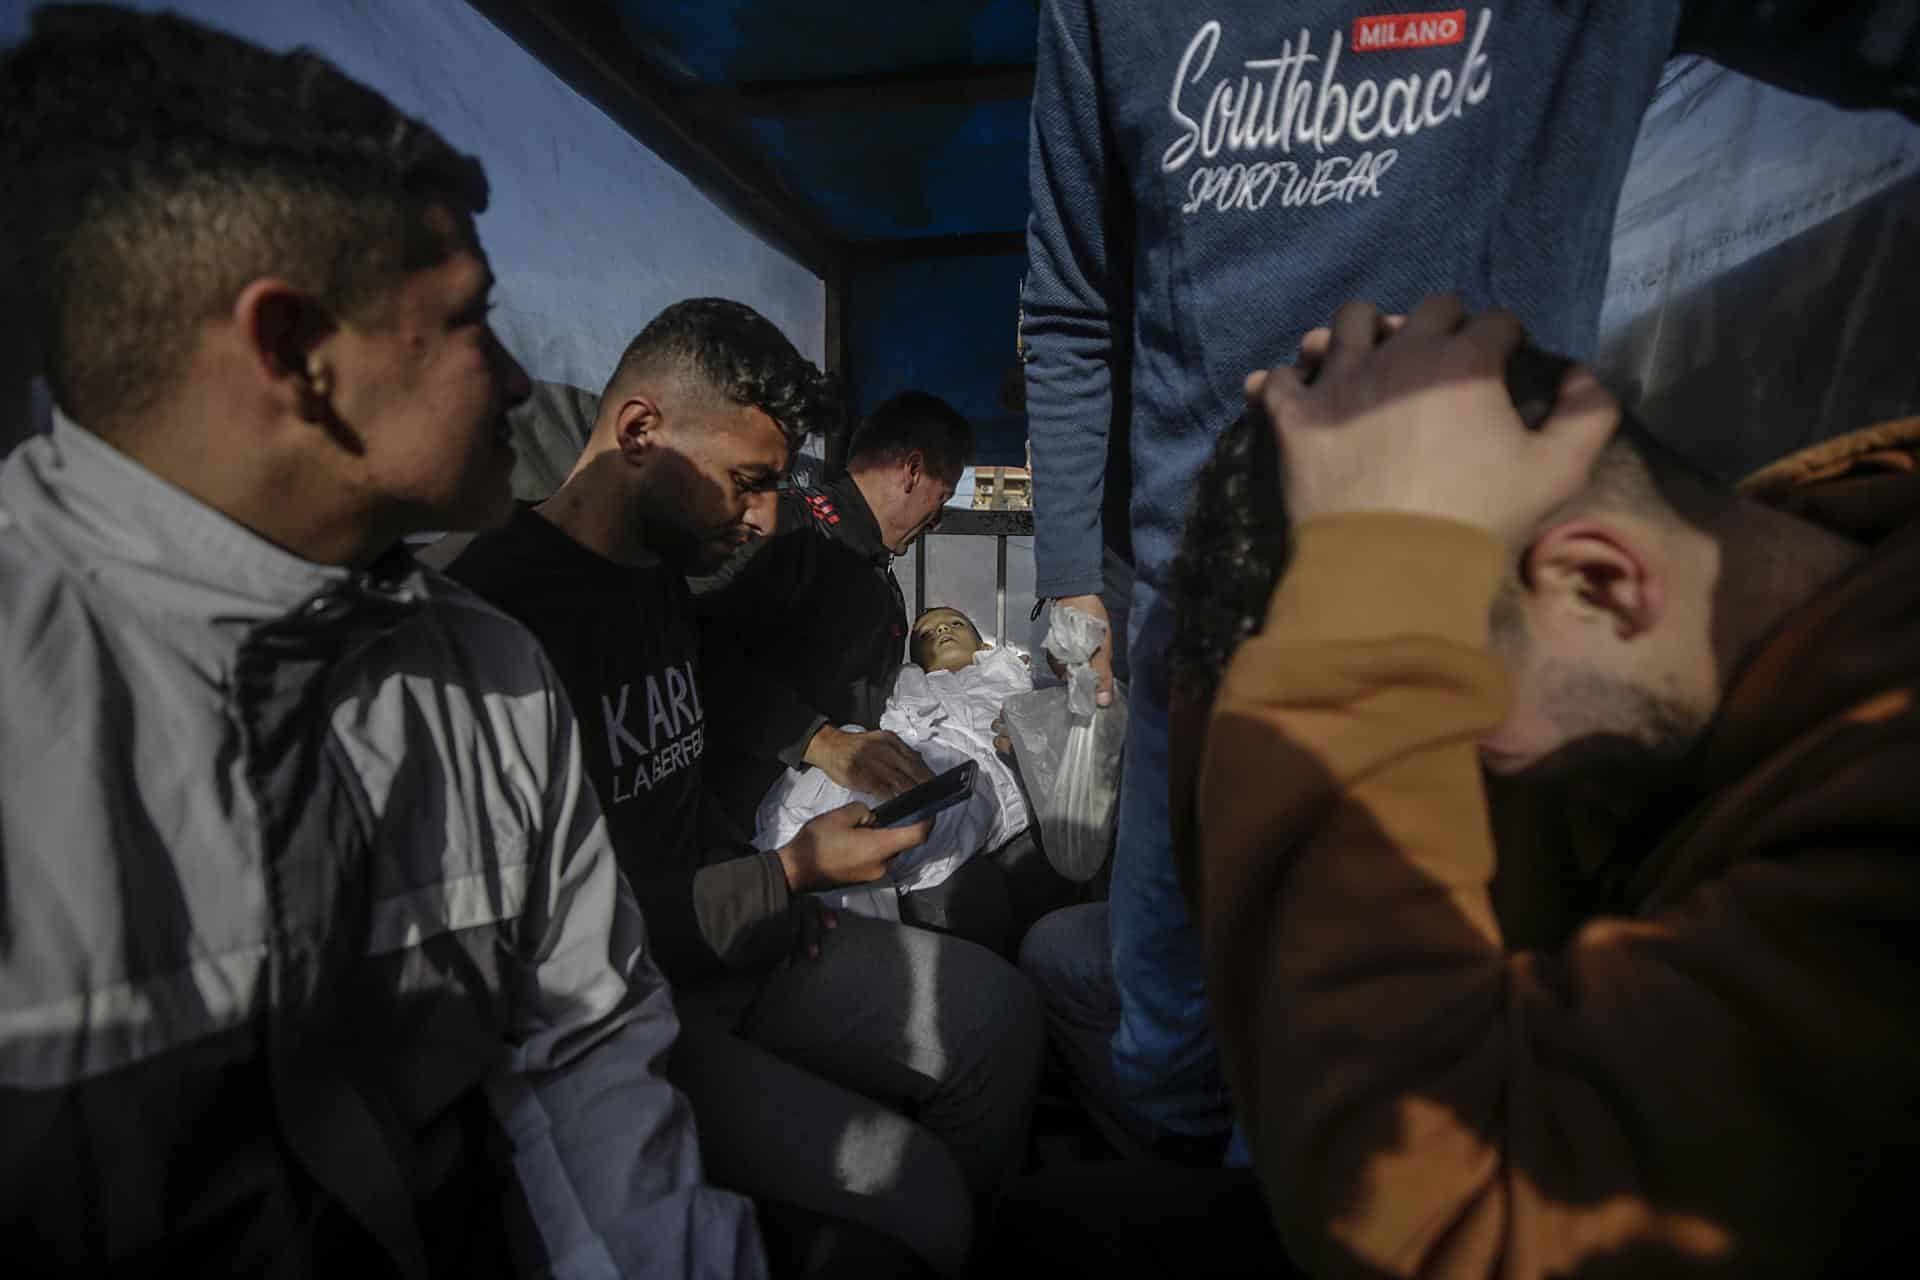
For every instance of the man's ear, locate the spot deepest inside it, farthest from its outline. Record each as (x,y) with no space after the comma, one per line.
(1597,571)
(916,469)
(284,336)
(636,426)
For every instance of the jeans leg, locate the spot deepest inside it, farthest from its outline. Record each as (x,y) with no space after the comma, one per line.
(1070,959)
(1165,1062)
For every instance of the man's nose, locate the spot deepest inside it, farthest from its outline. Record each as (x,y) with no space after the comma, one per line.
(763,513)
(515,386)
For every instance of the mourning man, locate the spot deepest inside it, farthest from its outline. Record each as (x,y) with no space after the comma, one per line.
(1716,1064)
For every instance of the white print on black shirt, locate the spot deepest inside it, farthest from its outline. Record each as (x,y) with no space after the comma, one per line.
(1279,103)
(674,725)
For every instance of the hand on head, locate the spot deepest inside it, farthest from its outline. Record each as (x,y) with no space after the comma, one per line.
(1414,416)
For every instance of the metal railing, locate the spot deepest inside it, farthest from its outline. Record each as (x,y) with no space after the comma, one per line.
(975,522)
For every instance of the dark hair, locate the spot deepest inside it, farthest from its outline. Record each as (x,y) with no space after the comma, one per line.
(1231,555)
(915,420)
(1236,543)
(152,167)
(742,355)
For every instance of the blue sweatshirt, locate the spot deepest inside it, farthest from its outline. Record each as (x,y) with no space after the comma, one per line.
(1210,182)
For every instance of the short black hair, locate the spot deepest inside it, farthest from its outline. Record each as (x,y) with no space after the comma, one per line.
(1237,540)
(742,355)
(1231,555)
(915,420)
(152,167)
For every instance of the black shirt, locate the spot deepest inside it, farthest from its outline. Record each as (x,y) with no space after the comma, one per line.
(624,643)
(805,628)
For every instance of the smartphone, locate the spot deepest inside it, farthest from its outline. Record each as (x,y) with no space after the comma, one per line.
(930,797)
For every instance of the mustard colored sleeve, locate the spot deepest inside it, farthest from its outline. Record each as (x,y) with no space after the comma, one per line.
(1421,1102)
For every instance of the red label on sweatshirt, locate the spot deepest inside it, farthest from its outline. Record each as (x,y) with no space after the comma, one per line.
(1409,31)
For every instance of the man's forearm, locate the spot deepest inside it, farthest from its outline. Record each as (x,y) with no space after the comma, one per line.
(1067,306)
(1342,884)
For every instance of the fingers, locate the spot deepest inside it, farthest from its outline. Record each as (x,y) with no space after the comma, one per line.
(1492,336)
(900,839)
(1584,418)
(1313,348)
(1436,316)
(916,768)
(1102,664)
(1357,328)
(821,922)
(885,766)
(902,756)
(852,814)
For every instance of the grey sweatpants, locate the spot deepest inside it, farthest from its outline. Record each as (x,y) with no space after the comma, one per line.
(888,1083)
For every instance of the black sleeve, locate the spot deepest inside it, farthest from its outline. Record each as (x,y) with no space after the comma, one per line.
(750,709)
(726,917)
(1853,53)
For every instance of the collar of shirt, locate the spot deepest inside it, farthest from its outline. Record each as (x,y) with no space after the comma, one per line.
(859,528)
(165,550)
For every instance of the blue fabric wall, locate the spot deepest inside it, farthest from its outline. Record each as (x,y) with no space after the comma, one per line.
(944,325)
(590,233)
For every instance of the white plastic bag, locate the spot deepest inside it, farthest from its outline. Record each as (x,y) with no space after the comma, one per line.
(1069,749)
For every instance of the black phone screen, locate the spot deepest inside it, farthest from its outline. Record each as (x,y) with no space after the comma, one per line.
(930,797)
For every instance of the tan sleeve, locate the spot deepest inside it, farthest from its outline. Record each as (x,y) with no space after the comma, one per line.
(1419,1101)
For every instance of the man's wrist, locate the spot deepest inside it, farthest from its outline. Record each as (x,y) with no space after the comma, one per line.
(819,742)
(789,866)
(1367,575)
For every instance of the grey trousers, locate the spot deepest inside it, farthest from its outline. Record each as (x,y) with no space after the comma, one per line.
(1070,959)
(888,1083)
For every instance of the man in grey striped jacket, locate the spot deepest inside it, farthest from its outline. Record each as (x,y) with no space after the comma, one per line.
(314,958)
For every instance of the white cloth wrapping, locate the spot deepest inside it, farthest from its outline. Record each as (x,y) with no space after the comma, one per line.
(947,716)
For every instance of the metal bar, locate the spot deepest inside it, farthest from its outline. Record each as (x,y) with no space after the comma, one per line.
(1000,590)
(919,576)
(972,244)
(883,91)
(585,45)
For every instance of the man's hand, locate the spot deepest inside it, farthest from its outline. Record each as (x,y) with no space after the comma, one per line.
(873,764)
(1416,418)
(1102,660)
(815,923)
(835,849)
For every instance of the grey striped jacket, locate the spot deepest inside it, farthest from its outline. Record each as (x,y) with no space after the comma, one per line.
(313,951)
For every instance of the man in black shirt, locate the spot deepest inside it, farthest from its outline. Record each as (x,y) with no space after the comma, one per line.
(798,1071)
(806,632)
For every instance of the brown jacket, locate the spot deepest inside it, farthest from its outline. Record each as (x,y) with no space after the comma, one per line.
(1721,1074)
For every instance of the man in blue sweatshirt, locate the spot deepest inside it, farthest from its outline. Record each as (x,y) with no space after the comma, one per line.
(1207,184)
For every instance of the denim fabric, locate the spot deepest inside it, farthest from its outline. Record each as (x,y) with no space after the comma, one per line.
(1166,1067)
(1210,183)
